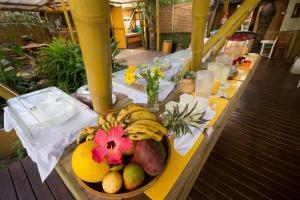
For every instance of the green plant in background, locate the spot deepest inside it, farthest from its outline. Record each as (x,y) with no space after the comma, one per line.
(19,150)
(116,64)
(61,65)
(10,68)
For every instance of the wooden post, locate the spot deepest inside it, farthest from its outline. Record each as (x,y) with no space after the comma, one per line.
(199,14)
(67,20)
(92,23)
(157,26)
(246,7)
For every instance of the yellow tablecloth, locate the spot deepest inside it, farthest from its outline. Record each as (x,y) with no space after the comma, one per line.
(234,86)
(241,76)
(177,163)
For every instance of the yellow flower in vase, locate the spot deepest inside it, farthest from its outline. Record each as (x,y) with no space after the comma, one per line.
(129,78)
(130,69)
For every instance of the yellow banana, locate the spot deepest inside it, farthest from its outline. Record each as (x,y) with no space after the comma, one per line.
(104,127)
(130,109)
(111,117)
(90,137)
(108,125)
(139,136)
(101,120)
(139,115)
(145,130)
(151,123)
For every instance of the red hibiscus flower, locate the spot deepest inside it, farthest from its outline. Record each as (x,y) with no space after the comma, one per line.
(111,145)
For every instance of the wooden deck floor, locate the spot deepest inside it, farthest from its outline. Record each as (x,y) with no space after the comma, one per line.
(258,153)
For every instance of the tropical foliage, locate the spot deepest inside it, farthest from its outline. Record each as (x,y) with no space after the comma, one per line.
(61,65)
(10,68)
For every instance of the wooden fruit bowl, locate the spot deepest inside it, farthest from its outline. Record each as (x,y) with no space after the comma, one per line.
(96,188)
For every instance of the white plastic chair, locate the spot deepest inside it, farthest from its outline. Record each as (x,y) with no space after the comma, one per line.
(267,44)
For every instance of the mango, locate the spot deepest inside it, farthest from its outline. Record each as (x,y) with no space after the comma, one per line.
(118,167)
(112,182)
(133,176)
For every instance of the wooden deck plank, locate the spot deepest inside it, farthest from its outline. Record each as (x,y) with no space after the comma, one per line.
(7,190)
(40,189)
(267,190)
(20,181)
(57,187)
(194,194)
(260,145)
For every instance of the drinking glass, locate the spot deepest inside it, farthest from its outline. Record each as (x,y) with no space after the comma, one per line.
(216,68)
(225,63)
(204,83)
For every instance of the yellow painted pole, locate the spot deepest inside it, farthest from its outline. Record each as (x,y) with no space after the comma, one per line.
(92,23)
(64,8)
(246,7)
(157,26)
(220,45)
(199,14)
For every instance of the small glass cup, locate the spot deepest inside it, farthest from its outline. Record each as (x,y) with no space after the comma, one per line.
(204,83)
(225,63)
(216,68)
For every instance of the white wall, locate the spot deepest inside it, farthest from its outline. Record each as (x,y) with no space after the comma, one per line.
(290,24)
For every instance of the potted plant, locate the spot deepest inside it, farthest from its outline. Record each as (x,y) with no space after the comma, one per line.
(185,81)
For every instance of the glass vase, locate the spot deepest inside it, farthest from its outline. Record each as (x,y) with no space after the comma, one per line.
(152,95)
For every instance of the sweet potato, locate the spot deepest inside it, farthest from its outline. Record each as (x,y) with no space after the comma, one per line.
(149,155)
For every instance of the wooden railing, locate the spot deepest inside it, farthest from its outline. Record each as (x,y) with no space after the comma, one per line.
(7,139)
(6,92)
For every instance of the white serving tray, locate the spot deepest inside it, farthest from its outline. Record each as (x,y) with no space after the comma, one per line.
(41,113)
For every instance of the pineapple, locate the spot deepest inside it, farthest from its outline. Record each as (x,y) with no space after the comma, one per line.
(178,122)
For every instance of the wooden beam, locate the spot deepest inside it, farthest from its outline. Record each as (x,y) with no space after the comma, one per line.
(68,20)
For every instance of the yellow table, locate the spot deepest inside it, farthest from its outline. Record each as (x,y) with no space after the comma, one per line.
(182,171)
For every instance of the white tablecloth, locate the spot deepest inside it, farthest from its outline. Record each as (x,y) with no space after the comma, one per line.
(47,156)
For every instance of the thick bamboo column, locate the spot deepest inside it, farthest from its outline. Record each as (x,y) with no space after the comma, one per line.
(157,26)
(67,20)
(199,14)
(246,7)
(92,23)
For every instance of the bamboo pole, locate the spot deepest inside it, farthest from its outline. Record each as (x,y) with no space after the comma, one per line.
(246,7)
(199,14)
(157,26)
(64,8)
(235,27)
(92,23)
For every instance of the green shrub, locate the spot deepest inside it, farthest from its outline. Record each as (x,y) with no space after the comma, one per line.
(61,65)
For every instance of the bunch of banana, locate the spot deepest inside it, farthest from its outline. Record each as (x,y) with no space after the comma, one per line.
(87,134)
(140,124)
(108,122)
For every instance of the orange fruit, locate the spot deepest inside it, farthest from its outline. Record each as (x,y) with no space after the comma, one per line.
(85,167)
